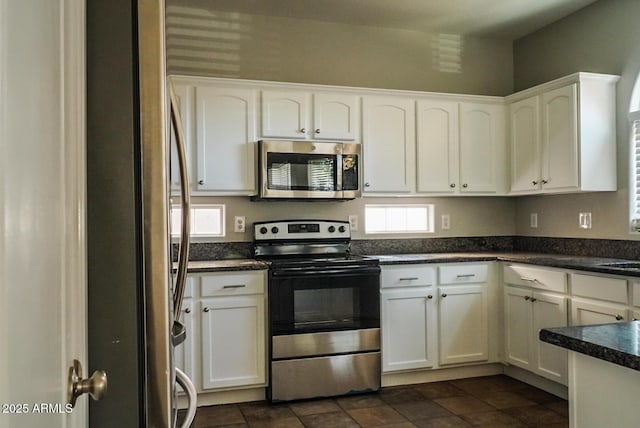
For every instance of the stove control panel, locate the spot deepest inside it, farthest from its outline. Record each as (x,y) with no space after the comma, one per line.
(301,230)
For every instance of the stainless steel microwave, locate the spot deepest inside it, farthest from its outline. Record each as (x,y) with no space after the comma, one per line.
(309,170)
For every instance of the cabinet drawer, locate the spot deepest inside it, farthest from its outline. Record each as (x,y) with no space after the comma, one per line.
(403,276)
(543,279)
(463,274)
(232,284)
(599,287)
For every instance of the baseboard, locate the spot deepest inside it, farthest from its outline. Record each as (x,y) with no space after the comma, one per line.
(547,385)
(440,374)
(225,397)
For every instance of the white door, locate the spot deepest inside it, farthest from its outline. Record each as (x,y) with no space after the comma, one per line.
(549,310)
(517,326)
(42,182)
(525,145)
(335,117)
(284,114)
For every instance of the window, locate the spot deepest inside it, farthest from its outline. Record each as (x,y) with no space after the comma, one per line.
(398,218)
(634,167)
(206,220)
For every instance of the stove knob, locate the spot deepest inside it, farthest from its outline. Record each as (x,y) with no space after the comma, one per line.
(274,230)
(263,230)
(342,229)
(332,229)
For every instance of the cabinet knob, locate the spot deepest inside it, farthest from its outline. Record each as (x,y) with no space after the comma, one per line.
(201,182)
(429,297)
(206,309)
(465,185)
(544,181)
(452,185)
(187,311)
(367,184)
(527,297)
(317,131)
(303,130)
(619,317)
(533,299)
(444,295)
(534,182)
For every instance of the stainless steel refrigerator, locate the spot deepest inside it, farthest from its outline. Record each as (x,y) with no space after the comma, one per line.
(131,299)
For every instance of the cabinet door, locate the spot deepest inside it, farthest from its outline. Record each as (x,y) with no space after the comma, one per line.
(184,353)
(233,341)
(560,139)
(184,95)
(335,117)
(437,146)
(463,324)
(408,328)
(482,148)
(226,139)
(585,312)
(284,114)
(525,145)
(517,324)
(549,310)
(388,144)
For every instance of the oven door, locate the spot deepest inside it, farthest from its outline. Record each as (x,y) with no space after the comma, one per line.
(311,299)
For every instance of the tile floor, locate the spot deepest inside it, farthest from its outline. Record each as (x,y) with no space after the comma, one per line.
(492,401)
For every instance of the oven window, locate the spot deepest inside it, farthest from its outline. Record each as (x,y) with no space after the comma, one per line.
(326,308)
(313,172)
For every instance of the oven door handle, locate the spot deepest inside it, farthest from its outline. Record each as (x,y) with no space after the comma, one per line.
(309,271)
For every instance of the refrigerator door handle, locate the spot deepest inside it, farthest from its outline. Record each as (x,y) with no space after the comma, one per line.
(183,251)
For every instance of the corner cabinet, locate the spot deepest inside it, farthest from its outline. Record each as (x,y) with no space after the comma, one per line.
(534,299)
(563,136)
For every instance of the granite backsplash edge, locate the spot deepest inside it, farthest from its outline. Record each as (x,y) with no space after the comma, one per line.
(621,249)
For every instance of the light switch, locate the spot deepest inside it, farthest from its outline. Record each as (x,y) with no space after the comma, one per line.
(584,220)
(353,222)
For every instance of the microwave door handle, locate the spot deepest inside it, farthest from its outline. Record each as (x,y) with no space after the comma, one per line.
(340,173)
(183,252)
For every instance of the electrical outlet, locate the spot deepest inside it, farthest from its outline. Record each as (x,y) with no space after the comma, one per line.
(353,222)
(239,224)
(533,220)
(584,220)
(445,222)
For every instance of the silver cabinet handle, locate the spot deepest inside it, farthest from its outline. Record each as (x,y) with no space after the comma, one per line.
(466,275)
(619,317)
(524,278)
(187,311)
(452,185)
(367,184)
(544,181)
(317,131)
(444,295)
(429,297)
(206,309)
(534,182)
(201,182)
(234,286)
(411,278)
(527,298)
(465,185)
(533,299)
(303,130)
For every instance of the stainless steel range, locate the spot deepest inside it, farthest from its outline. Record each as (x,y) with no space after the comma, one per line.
(324,310)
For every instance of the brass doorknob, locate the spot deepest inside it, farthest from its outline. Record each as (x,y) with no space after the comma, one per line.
(95,386)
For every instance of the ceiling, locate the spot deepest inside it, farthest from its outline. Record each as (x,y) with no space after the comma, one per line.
(505,19)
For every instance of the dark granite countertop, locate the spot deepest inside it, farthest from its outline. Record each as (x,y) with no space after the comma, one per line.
(608,266)
(617,343)
(592,264)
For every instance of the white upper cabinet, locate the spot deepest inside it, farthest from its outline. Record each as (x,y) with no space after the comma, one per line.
(184,95)
(437,146)
(563,136)
(388,144)
(284,114)
(225,139)
(482,148)
(302,115)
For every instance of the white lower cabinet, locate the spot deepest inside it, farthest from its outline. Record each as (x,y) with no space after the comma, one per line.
(225,317)
(542,303)
(589,311)
(233,341)
(526,313)
(598,299)
(424,326)
(463,324)
(408,328)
